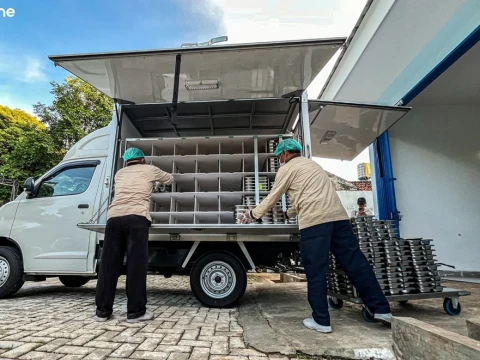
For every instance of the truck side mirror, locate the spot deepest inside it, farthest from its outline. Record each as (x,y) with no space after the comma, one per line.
(29,186)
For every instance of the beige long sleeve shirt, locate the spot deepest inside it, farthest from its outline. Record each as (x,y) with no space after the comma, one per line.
(313,195)
(133,186)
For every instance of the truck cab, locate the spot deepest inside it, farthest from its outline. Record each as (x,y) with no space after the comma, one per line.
(210,116)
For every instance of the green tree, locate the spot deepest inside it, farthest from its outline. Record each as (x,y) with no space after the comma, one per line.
(26,148)
(77,109)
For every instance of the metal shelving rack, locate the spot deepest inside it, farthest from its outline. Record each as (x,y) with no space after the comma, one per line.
(209,175)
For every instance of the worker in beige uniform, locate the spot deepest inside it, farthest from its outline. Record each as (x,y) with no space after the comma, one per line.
(128,221)
(325,227)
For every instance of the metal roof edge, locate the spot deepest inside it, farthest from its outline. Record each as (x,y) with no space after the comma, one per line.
(232,47)
(345,45)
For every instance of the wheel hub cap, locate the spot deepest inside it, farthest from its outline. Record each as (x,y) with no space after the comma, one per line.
(218,279)
(4,270)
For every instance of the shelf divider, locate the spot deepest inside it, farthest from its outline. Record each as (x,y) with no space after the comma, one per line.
(255,150)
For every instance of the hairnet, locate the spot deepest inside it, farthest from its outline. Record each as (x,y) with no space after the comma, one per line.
(287,145)
(132,154)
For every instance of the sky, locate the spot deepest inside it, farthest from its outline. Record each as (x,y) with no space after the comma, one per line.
(52,27)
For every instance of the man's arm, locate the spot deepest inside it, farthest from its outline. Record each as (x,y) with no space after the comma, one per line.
(161,176)
(282,183)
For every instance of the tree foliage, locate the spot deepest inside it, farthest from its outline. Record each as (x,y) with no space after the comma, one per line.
(77,109)
(26,148)
(30,146)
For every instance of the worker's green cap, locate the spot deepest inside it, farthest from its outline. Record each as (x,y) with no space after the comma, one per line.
(133,154)
(288,145)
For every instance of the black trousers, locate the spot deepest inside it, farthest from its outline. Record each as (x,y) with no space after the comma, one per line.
(338,237)
(124,234)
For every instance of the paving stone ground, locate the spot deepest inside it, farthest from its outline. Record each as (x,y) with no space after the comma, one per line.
(49,321)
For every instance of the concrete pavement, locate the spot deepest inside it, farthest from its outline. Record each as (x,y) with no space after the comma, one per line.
(278,310)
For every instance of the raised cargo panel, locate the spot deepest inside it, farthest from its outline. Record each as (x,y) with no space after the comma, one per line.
(221,72)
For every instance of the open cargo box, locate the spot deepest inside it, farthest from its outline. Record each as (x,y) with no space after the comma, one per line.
(186,105)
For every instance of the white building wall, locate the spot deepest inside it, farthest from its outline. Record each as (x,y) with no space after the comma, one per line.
(436,160)
(396,45)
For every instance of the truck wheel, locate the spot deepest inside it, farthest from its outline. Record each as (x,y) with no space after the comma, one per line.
(11,271)
(218,279)
(73,281)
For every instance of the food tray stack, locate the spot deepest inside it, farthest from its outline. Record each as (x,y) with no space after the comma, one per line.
(423,268)
(275,216)
(249,183)
(272,145)
(273,164)
(337,279)
(289,206)
(238,213)
(400,266)
(386,244)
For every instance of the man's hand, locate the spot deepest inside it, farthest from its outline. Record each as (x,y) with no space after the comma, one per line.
(246,217)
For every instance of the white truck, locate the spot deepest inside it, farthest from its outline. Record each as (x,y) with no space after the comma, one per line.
(209,115)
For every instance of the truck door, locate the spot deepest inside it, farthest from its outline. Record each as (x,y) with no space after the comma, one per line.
(343,130)
(46,224)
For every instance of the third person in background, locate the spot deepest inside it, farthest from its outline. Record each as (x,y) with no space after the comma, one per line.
(362,209)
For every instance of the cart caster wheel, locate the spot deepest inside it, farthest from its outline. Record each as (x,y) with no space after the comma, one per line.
(367,316)
(403,302)
(335,303)
(449,309)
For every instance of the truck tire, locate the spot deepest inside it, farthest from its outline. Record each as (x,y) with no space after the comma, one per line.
(11,271)
(218,279)
(73,281)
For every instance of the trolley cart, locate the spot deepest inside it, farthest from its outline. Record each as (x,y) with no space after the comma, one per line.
(451,302)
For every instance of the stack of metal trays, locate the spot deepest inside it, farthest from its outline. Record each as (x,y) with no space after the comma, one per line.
(338,280)
(249,200)
(268,218)
(249,183)
(250,203)
(273,165)
(289,206)
(390,269)
(278,217)
(400,266)
(272,145)
(239,210)
(292,221)
(423,270)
